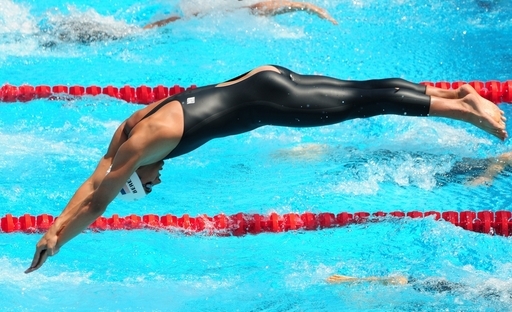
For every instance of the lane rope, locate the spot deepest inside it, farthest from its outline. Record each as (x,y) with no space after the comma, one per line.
(488,222)
(495,91)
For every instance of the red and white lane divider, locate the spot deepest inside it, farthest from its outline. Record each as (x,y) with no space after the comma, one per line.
(138,95)
(488,222)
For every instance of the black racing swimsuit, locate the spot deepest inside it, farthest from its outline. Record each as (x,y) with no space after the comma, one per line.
(291,100)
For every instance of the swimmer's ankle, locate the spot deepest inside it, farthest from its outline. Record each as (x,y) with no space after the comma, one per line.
(465,90)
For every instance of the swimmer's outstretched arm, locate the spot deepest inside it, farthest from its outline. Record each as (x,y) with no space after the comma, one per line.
(283,6)
(496,166)
(163,22)
(389,280)
(264,8)
(90,201)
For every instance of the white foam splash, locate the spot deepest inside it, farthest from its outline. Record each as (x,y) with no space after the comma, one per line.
(27,144)
(207,283)
(11,274)
(191,7)
(16,18)
(233,18)
(369,186)
(88,26)
(276,134)
(16,29)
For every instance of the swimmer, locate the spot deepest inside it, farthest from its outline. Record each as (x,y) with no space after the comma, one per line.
(495,166)
(303,152)
(388,280)
(264,8)
(267,95)
(492,289)
(468,171)
(90,27)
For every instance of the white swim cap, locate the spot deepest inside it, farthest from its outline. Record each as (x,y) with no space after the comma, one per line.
(133,189)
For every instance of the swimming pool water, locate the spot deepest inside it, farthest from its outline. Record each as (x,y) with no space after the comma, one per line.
(384,163)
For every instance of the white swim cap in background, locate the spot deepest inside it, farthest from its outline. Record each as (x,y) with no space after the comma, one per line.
(133,189)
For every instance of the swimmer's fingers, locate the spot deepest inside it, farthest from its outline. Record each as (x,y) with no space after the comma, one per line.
(39,258)
(328,17)
(336,279)
(331,19)
(44,249)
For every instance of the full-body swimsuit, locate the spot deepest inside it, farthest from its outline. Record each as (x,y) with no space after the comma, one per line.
(291,100)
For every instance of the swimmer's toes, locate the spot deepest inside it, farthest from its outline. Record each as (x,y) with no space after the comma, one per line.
(497,131)
(501,134)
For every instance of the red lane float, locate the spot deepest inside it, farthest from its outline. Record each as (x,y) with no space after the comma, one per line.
(495,91)
(494,223)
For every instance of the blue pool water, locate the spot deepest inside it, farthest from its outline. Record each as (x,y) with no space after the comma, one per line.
(384,163)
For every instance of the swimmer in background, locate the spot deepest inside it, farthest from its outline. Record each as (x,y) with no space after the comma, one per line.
(265,8)
(387,280)
(430,285)
(468,171)
(302,152)
(494,168)
(92,27)
(267,95)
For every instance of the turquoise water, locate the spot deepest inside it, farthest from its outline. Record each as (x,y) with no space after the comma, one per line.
(384,163)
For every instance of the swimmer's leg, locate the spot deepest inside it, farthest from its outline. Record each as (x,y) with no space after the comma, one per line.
(313,80)
(282,98)
(463,104)
(277,100)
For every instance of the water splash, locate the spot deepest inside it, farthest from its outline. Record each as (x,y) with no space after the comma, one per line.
(16,18)
(85,27)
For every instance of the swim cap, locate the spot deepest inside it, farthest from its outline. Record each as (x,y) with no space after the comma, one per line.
(132,189)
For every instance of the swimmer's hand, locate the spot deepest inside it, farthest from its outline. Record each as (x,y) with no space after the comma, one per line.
(47,246)
(321,13)
(388,280)
(482,180)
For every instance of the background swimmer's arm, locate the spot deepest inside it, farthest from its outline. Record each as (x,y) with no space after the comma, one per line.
(281,7)
(495,167)
(163,22)
(389,280)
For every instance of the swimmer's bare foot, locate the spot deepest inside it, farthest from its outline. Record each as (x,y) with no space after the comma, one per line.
(464,90)
(484,114)
(468,106)
(458,93)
